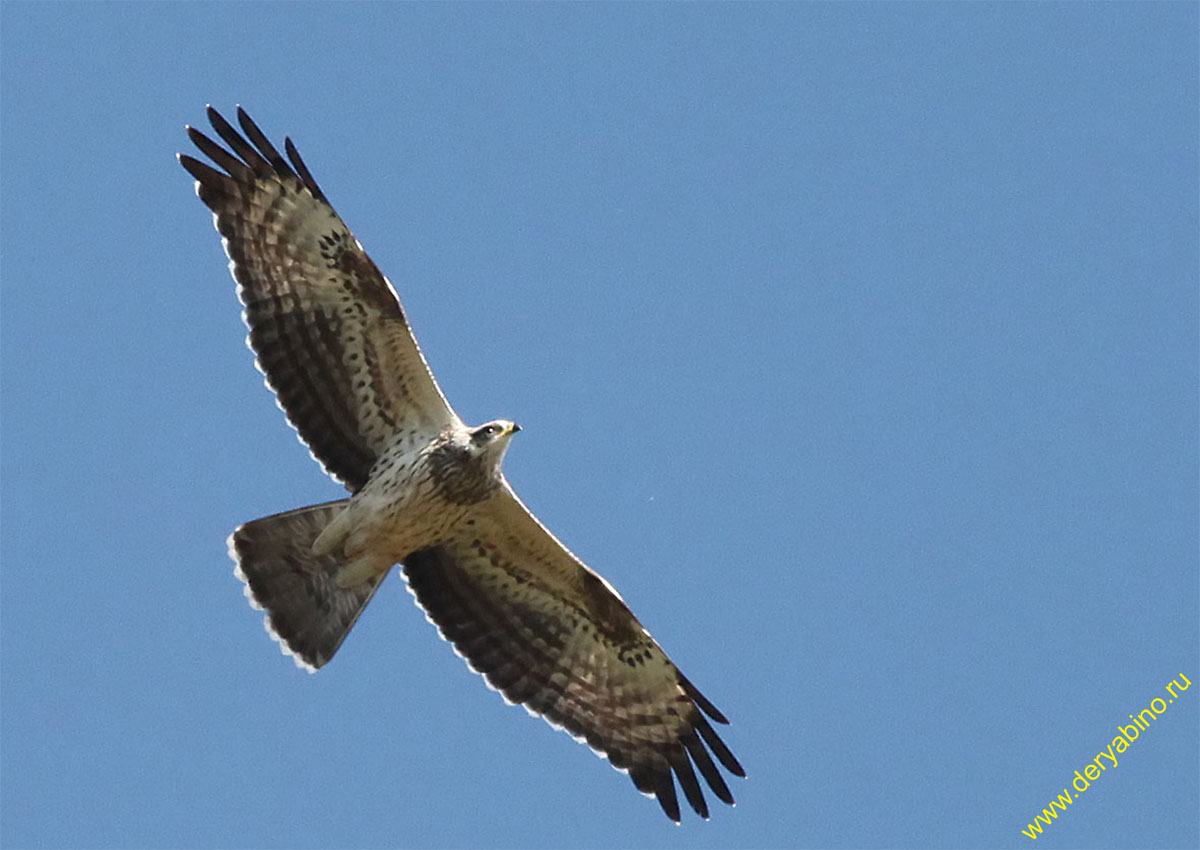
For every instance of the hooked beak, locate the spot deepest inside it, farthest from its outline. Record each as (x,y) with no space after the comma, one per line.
(513,428)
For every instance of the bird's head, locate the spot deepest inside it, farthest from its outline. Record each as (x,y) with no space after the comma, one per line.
(465,462)
(490,440)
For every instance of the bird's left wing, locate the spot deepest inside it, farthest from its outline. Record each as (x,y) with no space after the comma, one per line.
(551,634)
(328,329)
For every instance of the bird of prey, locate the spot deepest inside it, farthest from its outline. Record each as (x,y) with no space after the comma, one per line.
(426,492)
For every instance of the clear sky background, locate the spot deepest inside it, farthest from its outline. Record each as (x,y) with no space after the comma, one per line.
(856,344)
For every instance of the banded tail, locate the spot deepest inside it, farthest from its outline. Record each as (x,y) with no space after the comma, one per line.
(307,611)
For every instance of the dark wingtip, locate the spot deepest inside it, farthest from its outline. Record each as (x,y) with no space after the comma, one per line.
(719,749)
(302,170)
(243,117)
(682,766)
(701,701)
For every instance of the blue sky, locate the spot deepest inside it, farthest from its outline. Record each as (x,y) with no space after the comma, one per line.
(856,344)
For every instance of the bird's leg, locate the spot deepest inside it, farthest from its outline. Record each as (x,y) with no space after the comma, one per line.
(361,569)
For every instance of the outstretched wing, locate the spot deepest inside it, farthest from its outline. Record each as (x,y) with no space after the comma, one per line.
(328,329)
(549,633)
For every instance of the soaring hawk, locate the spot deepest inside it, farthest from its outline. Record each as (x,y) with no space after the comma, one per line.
(426,491)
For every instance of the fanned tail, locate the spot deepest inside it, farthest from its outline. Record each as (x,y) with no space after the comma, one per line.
(307,612)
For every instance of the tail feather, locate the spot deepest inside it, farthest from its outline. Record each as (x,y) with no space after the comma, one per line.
(307,612)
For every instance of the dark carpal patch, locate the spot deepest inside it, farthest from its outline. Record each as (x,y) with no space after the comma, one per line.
(612,617)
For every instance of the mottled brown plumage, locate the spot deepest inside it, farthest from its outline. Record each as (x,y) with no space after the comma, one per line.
(427,491)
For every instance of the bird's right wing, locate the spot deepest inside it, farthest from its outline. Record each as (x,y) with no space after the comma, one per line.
(328,329)
(549,633)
